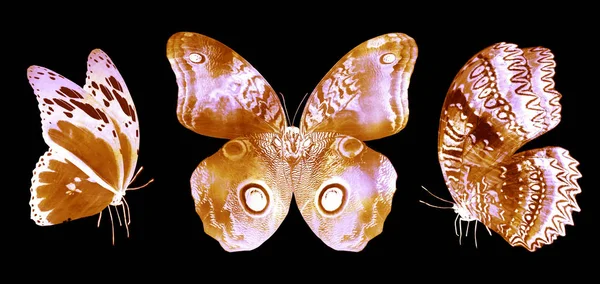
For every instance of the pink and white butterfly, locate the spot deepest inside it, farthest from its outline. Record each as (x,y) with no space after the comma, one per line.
(502,98)
(93,137)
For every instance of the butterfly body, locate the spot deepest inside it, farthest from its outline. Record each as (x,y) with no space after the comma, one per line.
(501,99)
(342,187)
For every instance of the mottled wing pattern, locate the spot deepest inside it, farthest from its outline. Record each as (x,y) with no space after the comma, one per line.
(501,99)
(344,190)
(241,192)
(529,198)
(220,93)
(105,84)
(77,126)
(364,95)
(62,192)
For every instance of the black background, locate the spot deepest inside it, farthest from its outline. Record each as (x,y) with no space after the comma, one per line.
(293,53)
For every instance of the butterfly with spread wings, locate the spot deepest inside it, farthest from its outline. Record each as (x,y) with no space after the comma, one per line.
(343,188)
(93,138)
(502,98)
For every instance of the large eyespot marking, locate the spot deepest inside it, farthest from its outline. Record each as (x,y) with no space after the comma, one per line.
(197,57)
(255,198)
(388,58)
(234,150)
(350,147)
(331,198)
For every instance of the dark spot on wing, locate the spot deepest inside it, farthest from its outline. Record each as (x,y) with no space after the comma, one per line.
(123,103)
(67,92)
(104,118)
(68,114)
(94,85)
(90,110)
(48,101)
(64,104)
(115,83)
(106,92)
(132,112)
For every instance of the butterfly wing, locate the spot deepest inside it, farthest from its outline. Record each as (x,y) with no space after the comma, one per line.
(363,97)
(501,99)
(220,94)
(365,94)
(62,192)
(88,145)
(107,86)
(241,193)
(530,197)
(344,191)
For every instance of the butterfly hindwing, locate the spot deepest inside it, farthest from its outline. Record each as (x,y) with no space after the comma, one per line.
(220,94)
(241,192)
(364,95)
(344,191)
(529,199)
(61,192)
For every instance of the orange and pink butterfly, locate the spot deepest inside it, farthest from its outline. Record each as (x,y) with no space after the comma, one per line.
(502,98)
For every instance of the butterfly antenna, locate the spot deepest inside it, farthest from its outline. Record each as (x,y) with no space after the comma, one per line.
(298,108)
(435,206)
(133,179)
(436,196)
(287,115)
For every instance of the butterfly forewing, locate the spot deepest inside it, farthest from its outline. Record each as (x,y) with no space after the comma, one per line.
(76,125)
(105,84)
(220,94)
(501,99)
(365,94)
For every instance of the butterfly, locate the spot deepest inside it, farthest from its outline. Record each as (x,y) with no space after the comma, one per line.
(93,138)
(502,98)
(342,188)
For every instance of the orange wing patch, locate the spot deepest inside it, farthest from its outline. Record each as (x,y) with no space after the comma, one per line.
(61,192)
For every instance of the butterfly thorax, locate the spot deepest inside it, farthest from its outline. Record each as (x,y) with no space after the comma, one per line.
(462,210)
(293,144)
(117,199)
